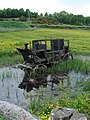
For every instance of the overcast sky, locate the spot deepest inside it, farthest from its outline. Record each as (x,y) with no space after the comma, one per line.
(50,6)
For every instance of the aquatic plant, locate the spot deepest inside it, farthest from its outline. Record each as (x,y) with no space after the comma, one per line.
(66,66)
(42,105)
(76,97)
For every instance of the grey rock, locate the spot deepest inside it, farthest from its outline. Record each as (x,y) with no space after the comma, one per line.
(66,114)
(14,112)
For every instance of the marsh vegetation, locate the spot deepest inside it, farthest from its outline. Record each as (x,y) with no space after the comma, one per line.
(66,84)
(72,90)
(9,41)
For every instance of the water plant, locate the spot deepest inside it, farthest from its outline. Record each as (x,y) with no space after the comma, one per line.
(76,97)
(66,66)
(42,105)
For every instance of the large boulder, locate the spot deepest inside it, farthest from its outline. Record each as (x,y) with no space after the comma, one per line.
(14,112)
(66,114)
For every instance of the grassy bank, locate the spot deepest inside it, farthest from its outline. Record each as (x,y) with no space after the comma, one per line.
(13,24)
(79,39)
(16,23)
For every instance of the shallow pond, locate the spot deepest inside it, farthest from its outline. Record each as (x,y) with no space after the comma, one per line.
(16,87)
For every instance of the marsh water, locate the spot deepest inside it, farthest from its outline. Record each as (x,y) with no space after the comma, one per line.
(16,88)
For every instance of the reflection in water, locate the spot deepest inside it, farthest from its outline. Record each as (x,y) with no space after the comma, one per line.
(77,77)
(16,86)
(51,81)
(10,78)
(29,82)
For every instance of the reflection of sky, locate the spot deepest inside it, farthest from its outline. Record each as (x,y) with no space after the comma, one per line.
(10,78)
(77,77)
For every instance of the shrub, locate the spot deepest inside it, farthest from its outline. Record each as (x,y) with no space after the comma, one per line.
(22,18)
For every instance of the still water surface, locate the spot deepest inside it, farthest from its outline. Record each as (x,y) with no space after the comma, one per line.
(11,78)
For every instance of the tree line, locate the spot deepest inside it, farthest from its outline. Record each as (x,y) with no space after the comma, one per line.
(60,18)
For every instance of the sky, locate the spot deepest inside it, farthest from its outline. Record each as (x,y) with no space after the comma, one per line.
(81,7)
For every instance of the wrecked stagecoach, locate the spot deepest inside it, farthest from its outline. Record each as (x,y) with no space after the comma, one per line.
(44,53)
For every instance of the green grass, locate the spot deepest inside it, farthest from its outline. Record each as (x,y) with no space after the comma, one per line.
(79,39)
(9,61)
(78,98)
(66,98)
(13,24)
(7,26)
(79,44)
(76,65)
(3,118)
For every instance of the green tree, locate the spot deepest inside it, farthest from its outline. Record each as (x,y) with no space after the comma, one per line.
(28,14)
(15,13)
(41,15)
(8,13)
(80,20)
(21,12)
(4,15)
(1,12)
(46,15)
(35,15)
(87,20)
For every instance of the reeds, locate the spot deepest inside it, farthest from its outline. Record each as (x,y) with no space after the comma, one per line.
(66,66)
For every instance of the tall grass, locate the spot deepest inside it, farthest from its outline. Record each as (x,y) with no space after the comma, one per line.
(13,24)
(13,60)
(66,66)
(3,118)
(79,39)
(78,98)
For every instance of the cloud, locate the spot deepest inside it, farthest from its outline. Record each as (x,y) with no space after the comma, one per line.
(40,6)
(43,6)
(84,10)
(50,6)
(76,6)
(74,3)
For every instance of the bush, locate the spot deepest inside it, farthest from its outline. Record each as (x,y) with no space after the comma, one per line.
(43,21)
(1,19)
(23,18)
